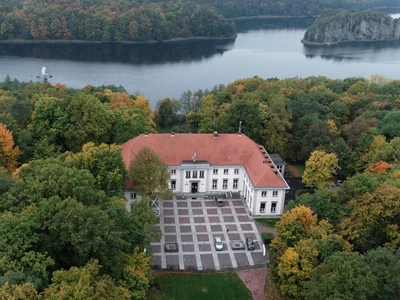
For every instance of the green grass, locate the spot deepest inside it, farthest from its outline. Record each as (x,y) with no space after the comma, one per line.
(269,222)
(214,286)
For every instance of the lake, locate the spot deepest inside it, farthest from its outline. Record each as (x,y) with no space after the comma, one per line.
(264,47)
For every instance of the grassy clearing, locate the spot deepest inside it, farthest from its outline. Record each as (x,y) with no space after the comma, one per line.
(174,286)
(269,222)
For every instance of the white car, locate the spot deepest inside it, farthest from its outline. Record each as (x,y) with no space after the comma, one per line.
(218,243)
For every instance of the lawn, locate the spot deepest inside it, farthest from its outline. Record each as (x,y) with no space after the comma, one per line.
(181,286)
(269,222)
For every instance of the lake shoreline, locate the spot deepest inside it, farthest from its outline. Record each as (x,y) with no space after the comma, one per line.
(269,17)
(151,42)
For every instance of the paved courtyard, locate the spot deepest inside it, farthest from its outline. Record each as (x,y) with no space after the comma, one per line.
(193,224)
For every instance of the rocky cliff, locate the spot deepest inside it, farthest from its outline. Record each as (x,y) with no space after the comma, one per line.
(340,26)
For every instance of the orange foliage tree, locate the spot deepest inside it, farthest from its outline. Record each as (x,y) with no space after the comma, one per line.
(379,167)
(8,153)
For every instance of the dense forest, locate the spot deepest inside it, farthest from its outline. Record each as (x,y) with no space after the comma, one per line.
(342,26)
(122,20)
(63,217)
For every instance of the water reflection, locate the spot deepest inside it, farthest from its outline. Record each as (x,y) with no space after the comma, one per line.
(187,51)
(360,51)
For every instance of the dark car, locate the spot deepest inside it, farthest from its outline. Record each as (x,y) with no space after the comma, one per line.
(219,202)
(250,244)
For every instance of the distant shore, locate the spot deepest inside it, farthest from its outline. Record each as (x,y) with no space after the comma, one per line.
(308,43)
(174,40)
(268,17)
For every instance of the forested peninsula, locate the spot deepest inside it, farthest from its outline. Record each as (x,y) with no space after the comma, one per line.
(341,26)
(140,21)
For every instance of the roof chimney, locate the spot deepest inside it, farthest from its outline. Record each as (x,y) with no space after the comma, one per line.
(172,134)
(146,134)
(240,129)
(215,134)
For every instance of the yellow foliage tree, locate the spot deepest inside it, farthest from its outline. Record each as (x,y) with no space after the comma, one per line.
(320,167)
(8,153)
(19,292)
(144,104)
(137,274)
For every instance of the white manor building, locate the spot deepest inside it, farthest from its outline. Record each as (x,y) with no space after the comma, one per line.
(216,163)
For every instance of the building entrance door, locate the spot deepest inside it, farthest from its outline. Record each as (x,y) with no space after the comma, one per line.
(194,187)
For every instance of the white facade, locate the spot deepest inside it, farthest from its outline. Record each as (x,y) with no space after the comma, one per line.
(236,161)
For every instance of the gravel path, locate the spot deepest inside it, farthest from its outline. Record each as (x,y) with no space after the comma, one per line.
(254,279)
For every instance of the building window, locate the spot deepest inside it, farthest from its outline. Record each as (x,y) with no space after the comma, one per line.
(275,193)
(226,171)
(173,172)
(273,207)
(201,174)
(187,174)
(225,184)
(214,184)
(133,195)
(215,171)
(235,183)
(263,193)
(194,174)
(236,171)
(262,207)
(173,184)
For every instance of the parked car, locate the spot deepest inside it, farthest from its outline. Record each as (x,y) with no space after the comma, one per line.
(250,243)
(219,201)
(337,181)
(218,243)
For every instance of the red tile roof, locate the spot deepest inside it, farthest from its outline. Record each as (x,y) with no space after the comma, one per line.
(227,149)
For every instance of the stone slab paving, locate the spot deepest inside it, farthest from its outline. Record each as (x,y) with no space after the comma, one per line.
(193,224)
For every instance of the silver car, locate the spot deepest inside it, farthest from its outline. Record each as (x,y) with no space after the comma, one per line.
(218,243)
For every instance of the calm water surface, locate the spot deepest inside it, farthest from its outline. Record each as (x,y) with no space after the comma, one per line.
(264,47)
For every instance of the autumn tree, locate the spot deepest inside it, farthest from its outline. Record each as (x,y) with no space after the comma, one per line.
(84,283)
(137,274)
(302,243)
(24,291)
(373,219)
(320,167)
(150,174)
(9,153)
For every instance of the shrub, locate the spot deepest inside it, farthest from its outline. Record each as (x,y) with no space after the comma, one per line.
(267,237)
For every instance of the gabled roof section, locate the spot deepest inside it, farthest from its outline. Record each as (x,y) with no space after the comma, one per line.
(225,150)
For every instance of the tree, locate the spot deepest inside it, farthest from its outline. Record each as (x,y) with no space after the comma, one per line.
(105,164)
(24,291)
(9,154)
(89,121)
(166,113)
(342,276)
(150,174)
(84,283)
(324,203)
(276,124)
(373,219)
(129,122)
(320,167)
(137,274)
(391,124)
(302,243)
